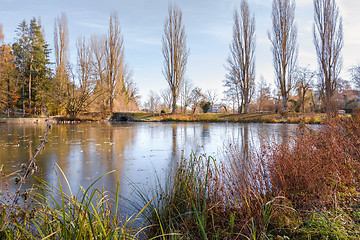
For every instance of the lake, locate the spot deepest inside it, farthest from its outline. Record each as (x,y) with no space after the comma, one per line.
(141,153)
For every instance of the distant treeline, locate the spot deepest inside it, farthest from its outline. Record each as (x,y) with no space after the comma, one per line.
(99,82)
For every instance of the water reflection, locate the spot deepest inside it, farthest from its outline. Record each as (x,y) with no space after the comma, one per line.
(140,152)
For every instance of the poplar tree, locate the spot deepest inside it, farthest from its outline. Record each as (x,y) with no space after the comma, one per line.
(175,52)
(241,62)
(284,45)
(328,40)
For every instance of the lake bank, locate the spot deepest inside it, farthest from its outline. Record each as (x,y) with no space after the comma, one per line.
(293,118)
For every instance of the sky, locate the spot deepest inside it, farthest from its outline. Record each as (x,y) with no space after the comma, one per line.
(208,25)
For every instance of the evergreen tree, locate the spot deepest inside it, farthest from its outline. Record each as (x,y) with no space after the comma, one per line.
(20,50)
(32,59)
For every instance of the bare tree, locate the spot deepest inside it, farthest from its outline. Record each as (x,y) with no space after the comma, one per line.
(175,52)
(116,69)
(355,75)
(62,66)
(99,66)
(304,79)
(131,90)
(153,102)
(242,54)
(196,96)
(212,97)
(61,49)
(233,93)
(328,40)
(185,94)
(81,93)
(284,45)
(264,94)
(166,97)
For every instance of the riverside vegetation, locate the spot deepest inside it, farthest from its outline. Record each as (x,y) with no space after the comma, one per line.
(283,117)
(305,189)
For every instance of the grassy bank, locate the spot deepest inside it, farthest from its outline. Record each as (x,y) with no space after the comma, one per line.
(311,118)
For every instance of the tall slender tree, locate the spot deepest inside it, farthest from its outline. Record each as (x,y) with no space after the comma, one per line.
(116,69)
(20,51)
(61,50)
(174,51)
(241,62)
(328,40)
(99,67)
(284,46)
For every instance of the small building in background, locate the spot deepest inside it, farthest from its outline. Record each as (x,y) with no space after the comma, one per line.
(217,108)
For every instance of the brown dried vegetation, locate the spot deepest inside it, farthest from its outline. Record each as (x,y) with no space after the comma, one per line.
(306,188)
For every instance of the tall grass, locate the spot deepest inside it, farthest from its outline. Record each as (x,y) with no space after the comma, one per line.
(55,212)
(178,209)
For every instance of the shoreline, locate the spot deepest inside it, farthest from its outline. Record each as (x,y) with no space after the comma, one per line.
(297,118)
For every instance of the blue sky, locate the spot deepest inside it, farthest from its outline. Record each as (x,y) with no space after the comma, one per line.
(208,24)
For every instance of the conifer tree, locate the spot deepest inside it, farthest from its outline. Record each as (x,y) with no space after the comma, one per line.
(32,58)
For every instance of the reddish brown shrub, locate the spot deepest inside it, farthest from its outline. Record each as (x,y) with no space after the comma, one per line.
(316,166)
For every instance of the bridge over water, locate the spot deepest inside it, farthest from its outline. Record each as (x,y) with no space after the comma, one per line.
(122,117)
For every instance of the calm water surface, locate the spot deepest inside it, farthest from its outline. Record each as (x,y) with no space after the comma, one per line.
(139,152)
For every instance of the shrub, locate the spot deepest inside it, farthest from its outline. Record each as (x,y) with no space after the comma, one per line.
(205,106)
(313,168)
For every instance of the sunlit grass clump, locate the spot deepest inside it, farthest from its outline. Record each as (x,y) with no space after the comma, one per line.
(55,212)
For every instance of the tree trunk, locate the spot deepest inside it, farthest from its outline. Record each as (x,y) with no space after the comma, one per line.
(23,94)
(174,104)
(111,105)
(30,92)
(285,104)
(246,108)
